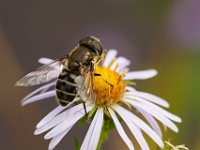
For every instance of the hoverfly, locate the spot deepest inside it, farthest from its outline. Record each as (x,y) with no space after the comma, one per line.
(77,68)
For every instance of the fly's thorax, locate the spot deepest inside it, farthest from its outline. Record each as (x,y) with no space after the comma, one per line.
(81,60)
(81,55)
(74,66)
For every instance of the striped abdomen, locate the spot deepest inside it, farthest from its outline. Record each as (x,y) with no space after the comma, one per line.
(66,89)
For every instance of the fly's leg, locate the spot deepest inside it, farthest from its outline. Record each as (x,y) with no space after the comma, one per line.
(85,110)
(99,75)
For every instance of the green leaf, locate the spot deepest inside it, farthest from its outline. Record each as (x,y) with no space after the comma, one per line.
(88,116)
(82,121)
(92,112)
(77,144)
(106,112)
(108,125)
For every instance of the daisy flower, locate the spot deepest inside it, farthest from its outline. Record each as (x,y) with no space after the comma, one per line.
(113,95)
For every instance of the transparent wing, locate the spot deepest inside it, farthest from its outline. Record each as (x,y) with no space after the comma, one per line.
(82,91)
(86,84)
(43,74)
(90,86)
(85,90)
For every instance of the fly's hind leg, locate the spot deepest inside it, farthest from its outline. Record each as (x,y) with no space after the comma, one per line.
(84,107)
(85,110)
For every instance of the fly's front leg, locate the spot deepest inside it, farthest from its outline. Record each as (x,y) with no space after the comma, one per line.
(97,74)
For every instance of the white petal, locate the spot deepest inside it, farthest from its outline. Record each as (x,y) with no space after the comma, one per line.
(59,118)
(122,62)
(121,130)
(153,106)
(160,110)
(152,122)
(53,113)
(67,122)
(147,96)
(121,71)
(41,89)
(154,113)
(63,126)
(140,75)
(50,116)
(153,98)
(45,60)
(39,97)
(129,88)
(92,137)
(109,57)
(140,124)
(54,141)
(135,131)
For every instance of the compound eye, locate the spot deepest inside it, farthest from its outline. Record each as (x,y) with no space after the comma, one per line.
(97,47)
(87,43)
(93,44)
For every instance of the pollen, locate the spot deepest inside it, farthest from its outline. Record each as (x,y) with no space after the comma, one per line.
(109,85)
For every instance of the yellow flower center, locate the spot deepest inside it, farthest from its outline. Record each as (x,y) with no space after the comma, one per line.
(109,86)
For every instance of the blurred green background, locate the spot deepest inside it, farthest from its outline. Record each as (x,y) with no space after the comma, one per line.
(164,35)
